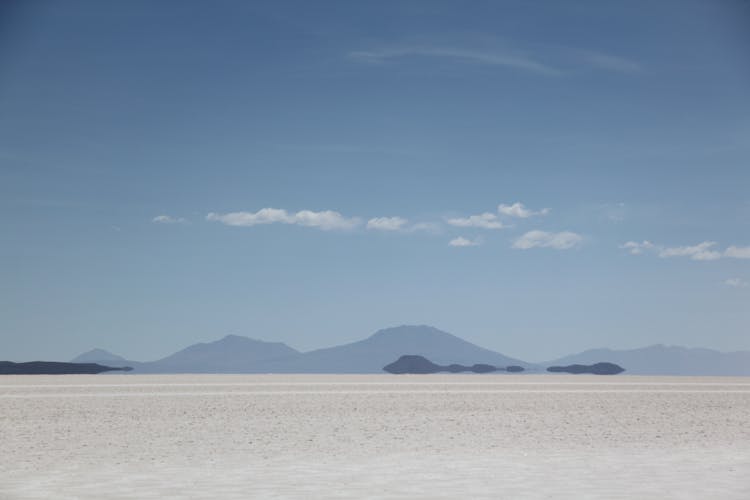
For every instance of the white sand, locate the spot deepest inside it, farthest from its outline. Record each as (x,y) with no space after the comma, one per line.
(381,436)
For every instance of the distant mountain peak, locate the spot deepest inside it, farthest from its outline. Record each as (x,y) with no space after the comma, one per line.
(231,353)
(402,330)
(232,336)
(95,355)
(240,339)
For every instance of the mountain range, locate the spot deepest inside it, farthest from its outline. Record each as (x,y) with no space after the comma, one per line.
(237,354)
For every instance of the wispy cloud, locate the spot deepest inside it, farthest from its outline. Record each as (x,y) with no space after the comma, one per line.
(636,248)
(168,219)
(325,220)
(518,209)
(465,242)
(609,62)
(563,240)
(701,251)
(470,56)
(706,250)
(566,59)
(486,221)
(387,223)
(737,252)
(736,283)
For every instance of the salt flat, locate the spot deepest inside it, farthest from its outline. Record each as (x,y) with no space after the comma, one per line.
(373,436)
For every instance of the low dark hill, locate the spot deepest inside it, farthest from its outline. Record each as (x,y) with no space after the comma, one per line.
(414,364)
(54,368)
(595,369)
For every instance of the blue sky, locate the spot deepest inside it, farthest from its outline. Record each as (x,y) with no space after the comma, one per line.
(538,178)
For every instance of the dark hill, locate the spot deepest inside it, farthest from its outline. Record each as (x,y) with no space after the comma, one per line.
(414,364)
(595,369)
(54,368)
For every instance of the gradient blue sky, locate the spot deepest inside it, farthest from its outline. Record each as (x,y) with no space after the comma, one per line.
(629,122)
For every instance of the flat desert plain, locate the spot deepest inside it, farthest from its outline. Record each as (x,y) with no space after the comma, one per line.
(373,436)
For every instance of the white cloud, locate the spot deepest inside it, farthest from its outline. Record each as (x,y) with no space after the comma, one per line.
(485,220)
(701,251)
(326,219)
(464,242)
(519,210)
(168,219)
(737,252)
(262,216)
(736,283)
(543,239)
(387,223)
(636,248)
(485,58)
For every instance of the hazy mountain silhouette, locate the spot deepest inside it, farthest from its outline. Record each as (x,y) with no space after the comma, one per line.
(236,354)
(231,354)
(373,353)
(97,355)
(106,358)
(666,360)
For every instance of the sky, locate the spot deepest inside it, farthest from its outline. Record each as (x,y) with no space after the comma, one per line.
(538,178)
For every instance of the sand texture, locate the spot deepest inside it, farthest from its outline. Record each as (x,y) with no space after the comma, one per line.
(373,436)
